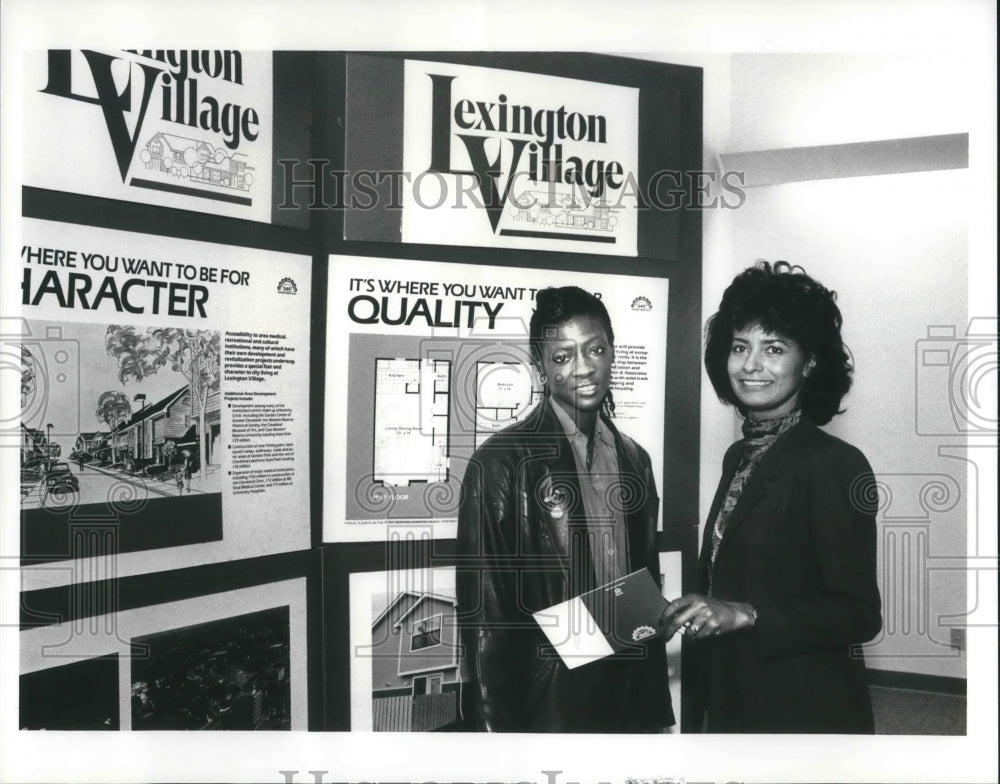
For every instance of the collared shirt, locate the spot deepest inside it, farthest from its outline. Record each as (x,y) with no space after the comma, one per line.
(601,488)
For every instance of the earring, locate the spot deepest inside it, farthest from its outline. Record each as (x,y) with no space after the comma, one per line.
(543,378)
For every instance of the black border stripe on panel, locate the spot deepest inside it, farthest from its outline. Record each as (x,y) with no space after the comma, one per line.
(551,235)
(61,533)
(64,604)
(104,213)
(181,190)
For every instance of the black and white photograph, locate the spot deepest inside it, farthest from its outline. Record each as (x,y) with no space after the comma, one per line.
(416,662)
(407,673)
(231,674)
(408,670)
(560,393)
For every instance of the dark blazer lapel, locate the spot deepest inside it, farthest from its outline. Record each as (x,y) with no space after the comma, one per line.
(729,464)
(761,476)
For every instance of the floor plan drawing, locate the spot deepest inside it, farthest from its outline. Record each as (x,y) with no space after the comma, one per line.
(411,421)
(505,394)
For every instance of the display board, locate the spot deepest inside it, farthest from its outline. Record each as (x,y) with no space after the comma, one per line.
(570,153)
(231,412)
(233,660)
(549,158)
(189,129)
(437,361)
(164,397)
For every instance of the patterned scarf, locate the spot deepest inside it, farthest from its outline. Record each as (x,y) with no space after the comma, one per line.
(757,439)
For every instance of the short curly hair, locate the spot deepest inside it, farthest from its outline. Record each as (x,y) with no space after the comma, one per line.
(555,306)
(783,299)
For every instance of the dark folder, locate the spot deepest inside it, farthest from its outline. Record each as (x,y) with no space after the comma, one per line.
(605,621)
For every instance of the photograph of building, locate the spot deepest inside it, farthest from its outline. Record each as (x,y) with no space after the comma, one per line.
(416,662)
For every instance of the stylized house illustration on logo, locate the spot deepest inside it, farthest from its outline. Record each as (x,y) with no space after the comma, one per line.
(563,211)
(197,161)
(416,664)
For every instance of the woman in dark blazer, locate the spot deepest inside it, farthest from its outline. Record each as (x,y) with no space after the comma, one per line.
(788,573)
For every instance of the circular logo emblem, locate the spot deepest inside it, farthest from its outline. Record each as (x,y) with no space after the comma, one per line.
(642,632)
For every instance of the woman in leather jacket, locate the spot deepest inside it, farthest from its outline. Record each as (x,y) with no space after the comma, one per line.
(553,506)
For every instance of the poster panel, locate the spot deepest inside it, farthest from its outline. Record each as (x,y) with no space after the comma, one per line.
(426,360)
(164,399)
(228,661)
(508,159)
(190,129)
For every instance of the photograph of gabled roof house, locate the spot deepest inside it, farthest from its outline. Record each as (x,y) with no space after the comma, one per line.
(416,662)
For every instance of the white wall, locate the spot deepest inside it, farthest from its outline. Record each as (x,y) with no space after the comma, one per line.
(801,100)
(896,249)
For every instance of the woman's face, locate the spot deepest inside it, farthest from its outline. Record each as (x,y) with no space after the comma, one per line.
(766,371)
(576,361)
